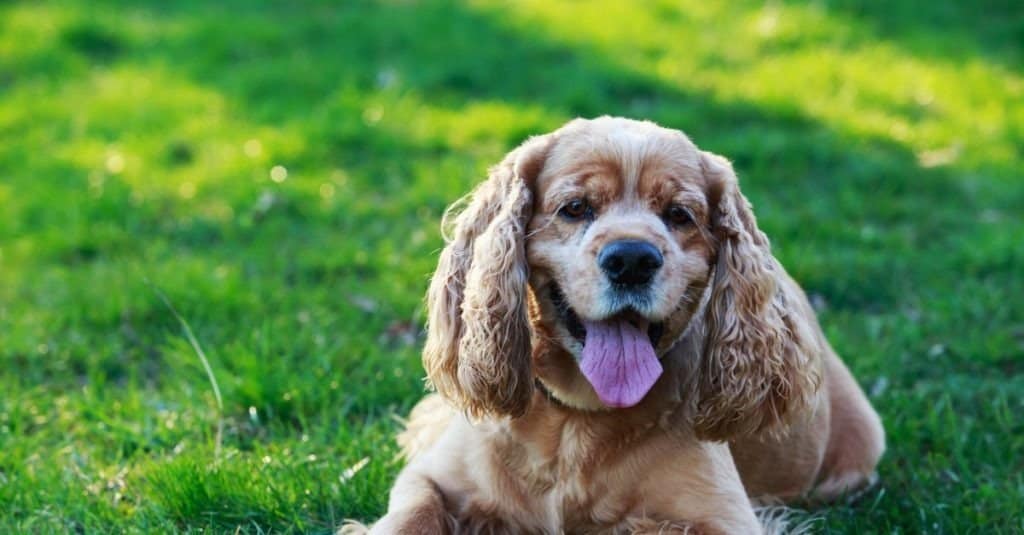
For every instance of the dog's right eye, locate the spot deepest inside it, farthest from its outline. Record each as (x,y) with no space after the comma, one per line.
(678,216)
(575,209)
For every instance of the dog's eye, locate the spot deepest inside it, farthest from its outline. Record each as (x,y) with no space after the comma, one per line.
(575,209)
(678,216)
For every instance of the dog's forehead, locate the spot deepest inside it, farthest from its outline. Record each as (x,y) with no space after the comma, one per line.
(628,155)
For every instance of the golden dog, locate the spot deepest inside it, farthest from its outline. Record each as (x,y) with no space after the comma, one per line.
(616,350)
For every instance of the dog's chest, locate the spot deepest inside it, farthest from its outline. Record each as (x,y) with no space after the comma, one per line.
(574,476)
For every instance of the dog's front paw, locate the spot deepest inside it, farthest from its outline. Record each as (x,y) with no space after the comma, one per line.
(421,521)
(352,527)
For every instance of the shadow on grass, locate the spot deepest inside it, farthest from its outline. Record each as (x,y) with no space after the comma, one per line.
(281,65)
(863,208)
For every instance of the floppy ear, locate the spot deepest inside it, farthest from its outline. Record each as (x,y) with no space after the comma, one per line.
(758,366)
(477,352)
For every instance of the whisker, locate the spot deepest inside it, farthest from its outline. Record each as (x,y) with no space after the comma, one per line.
(550,222)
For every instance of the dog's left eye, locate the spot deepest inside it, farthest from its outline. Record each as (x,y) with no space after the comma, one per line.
(678,216)
(575,209)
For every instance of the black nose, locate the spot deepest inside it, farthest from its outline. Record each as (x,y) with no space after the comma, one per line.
(630,262)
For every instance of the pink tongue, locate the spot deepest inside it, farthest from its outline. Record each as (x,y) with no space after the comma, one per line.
(619,362)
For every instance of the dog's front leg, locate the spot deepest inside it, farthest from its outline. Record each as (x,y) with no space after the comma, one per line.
(416,507)
(698,490)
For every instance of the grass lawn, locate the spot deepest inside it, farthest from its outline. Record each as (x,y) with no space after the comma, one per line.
(278,171)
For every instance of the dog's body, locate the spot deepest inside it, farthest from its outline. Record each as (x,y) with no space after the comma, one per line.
(616,351)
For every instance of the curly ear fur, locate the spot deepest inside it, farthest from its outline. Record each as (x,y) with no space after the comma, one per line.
(758,366)
(477,352)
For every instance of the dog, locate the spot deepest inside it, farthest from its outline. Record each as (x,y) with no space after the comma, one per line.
(614,349)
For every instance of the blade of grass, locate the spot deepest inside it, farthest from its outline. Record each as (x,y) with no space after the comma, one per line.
(190,336)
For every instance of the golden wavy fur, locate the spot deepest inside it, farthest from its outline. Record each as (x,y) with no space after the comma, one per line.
(752,404)
(477,298)
(758,361)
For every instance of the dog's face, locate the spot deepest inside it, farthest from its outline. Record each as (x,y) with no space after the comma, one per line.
(608,238)
(619,249)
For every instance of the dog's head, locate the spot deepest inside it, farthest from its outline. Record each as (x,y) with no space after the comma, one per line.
(610,238)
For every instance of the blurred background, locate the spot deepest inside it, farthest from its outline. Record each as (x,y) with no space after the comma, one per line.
(278,170)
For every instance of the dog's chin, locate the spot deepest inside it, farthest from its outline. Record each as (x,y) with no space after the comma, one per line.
(569,320)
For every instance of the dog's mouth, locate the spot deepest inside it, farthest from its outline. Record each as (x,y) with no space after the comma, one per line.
(618,356)
(655,329)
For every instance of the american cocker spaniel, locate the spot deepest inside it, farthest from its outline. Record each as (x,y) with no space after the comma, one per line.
(616,350)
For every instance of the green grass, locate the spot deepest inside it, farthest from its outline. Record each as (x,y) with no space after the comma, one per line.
(880,142)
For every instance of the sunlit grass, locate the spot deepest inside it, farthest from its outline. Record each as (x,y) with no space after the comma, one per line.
(826,66)
(279,171)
